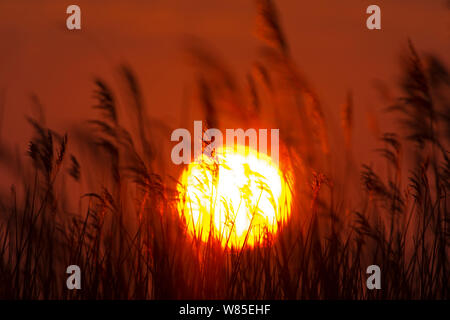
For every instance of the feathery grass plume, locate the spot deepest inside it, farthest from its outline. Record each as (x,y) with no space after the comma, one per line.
(269,27)
(106,101)
(107,139)
(439,78)
(207,102)
(417,103)
(392,150)
(347,120)
(389,193)
(437,71)
(253,94)
(74,170)
(141,116)
(277,55)
(263,75)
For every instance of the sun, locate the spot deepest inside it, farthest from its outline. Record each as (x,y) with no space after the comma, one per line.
(238,197)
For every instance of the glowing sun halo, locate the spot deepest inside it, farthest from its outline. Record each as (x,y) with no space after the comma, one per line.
(237,197)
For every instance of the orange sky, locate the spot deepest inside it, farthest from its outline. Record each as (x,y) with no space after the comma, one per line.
(328,38)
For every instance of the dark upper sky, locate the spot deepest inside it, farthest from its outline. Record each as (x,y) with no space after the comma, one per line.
(328,39)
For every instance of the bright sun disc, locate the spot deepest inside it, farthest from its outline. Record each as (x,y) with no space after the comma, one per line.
(237,197)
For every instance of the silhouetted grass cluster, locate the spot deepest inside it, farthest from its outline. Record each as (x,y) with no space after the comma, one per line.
(130,243)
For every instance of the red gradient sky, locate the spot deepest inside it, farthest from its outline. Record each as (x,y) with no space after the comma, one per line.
(328,39)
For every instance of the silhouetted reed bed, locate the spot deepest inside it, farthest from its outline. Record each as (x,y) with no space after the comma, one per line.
(130,243)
